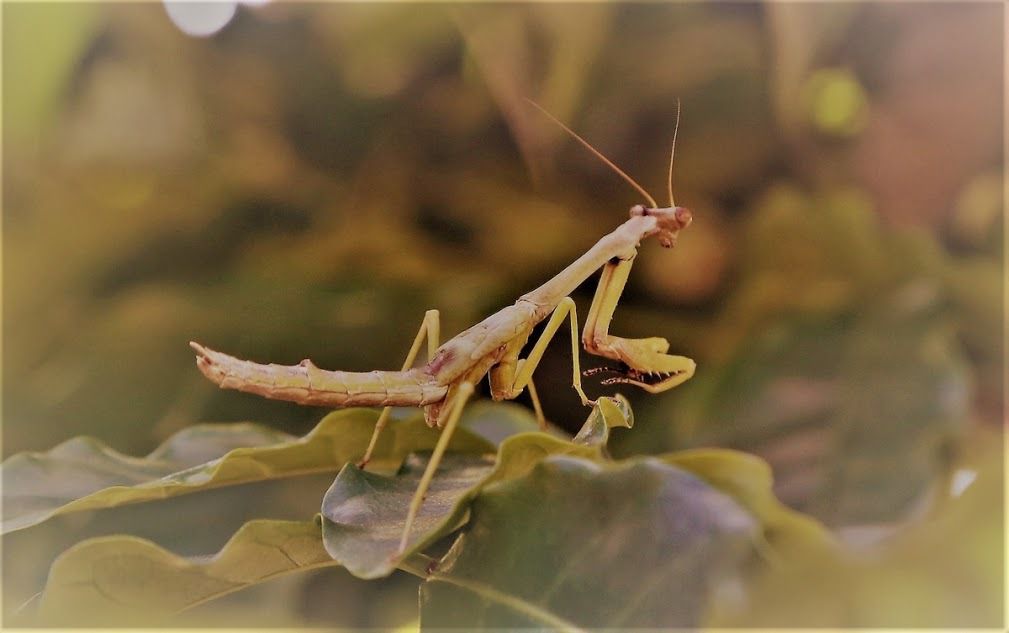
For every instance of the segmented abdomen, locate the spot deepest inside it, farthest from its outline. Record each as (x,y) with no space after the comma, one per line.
(305,383)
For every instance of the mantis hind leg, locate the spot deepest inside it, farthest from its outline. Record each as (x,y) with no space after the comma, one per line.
(454,413)
(430,328)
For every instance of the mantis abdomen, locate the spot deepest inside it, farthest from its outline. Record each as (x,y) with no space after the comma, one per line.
(307,384)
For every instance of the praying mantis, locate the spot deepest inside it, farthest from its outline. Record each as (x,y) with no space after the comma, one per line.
(492,347)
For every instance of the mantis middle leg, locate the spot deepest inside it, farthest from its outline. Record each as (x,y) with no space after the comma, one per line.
(509,378)
(430,328)
(535,397)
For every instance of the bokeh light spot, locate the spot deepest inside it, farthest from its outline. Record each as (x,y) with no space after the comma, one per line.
(200,19)
(836,102)
(962,479)
(977,209)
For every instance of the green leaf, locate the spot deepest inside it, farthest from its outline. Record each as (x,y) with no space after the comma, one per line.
(365,512)
(748,479)
(608,413)
(128,580)
(497,421)
(84,474)
(578,543)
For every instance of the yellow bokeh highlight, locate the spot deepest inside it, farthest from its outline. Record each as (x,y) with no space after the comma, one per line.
(835,101)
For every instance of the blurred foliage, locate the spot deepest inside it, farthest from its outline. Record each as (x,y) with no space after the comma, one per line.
(360,506)
(538,556)
(142,583)
(312,178)
(701,520)
(897,585)
(84,474)
(842,364)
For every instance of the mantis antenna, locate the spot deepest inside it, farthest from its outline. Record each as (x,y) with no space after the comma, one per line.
(672,153)
(599,154)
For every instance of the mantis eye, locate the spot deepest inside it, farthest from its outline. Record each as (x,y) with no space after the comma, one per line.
(638,210)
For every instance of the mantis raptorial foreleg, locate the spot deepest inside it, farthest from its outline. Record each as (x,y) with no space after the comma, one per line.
(508,381)
(454,412)
(611,284)
(597,339)
(430,328)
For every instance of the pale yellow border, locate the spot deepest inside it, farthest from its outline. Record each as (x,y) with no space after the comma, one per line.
(2,219)
(1005,311)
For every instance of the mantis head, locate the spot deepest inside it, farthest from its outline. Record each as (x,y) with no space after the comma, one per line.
(669,221)
(672,219)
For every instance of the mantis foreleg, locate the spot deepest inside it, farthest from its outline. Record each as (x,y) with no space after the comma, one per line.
(462,395)
(611,284)
(430,328)
(647,363)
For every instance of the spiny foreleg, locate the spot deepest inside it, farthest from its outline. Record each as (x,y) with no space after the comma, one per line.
(645,361)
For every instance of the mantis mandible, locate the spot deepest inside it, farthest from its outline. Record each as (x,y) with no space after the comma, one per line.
(444,385)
